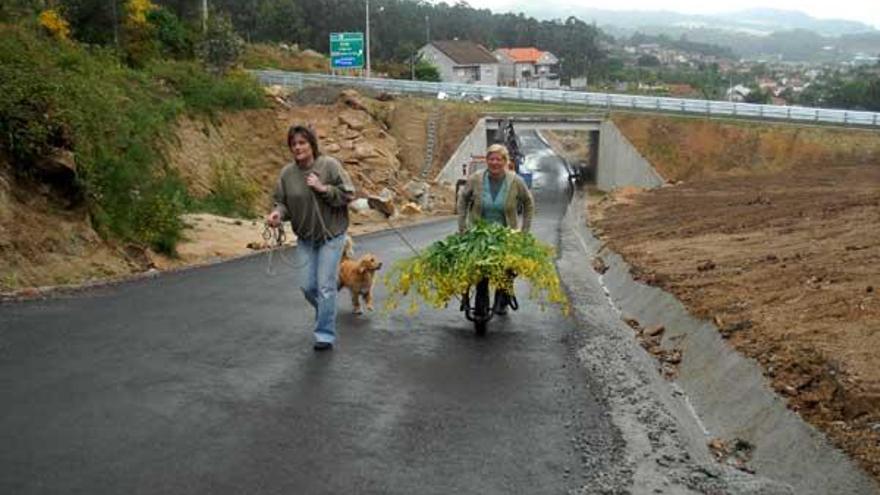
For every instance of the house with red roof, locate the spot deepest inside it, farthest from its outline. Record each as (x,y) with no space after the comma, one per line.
(527,67)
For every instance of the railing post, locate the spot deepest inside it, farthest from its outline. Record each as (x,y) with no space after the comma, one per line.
(817,115)
(845,117)
(788,113)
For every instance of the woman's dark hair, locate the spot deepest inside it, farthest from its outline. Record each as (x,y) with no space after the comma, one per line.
(307,133)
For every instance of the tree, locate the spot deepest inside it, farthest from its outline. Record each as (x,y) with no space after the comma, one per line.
(758,95)
(94,21)
(279,20)
(222,47)
(174,38)
(139,43)
(648,60)
(11,10)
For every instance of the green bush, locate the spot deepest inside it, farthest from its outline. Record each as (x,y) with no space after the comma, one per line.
(29,99)
(207,93)
(62,95)
(175,40)
(425,71)
(233,194)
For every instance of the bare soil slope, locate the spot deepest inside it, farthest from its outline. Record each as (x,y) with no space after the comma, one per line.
(779,244)
(683,148)
(574,146)
(379,142)
(39,238)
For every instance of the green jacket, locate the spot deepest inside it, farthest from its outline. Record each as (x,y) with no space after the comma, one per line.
(469,204)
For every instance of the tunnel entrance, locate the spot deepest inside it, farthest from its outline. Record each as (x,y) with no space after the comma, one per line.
(582,165)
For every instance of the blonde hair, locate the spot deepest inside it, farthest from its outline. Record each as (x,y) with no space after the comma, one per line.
(501,150)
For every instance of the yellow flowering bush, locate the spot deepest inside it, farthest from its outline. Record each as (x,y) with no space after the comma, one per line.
(137,11)
(449,267)
(139,41)
(52,21)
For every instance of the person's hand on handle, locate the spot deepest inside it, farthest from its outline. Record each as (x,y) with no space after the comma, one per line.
(274,218)
(315,183)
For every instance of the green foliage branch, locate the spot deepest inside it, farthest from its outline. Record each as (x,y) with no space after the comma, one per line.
(449,267)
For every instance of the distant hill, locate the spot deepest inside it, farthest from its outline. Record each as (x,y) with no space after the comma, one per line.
(751,34)
(799,45)
(753,21)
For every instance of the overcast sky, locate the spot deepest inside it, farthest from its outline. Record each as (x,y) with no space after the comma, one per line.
(867,11)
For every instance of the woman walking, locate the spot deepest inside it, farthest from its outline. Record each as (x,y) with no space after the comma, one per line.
(313,193)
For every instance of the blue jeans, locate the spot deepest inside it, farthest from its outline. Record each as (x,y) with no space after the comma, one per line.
(321,275)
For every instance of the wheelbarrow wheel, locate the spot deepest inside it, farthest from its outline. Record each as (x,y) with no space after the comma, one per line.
(482,310)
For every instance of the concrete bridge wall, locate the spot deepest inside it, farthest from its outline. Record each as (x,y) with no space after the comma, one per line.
(620,164)
(474,143)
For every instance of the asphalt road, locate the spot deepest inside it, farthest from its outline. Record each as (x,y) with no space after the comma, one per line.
(204,381)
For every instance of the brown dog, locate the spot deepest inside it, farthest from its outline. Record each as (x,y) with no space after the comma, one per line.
(358,276)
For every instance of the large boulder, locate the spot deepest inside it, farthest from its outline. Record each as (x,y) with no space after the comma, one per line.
(382,205)
(411,209)
(386,194)
(363,151)
(353,120)
(353,99)
(359,205)
(58,171)
(415,190)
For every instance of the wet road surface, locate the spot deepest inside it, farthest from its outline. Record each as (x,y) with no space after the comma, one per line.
(204,381)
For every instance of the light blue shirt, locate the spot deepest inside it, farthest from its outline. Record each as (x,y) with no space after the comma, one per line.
(493,206)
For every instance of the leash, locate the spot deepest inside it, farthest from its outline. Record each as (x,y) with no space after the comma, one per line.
(402,237)
(274,238)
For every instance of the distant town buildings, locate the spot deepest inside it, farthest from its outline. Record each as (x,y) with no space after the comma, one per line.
(738,93)
(662,69)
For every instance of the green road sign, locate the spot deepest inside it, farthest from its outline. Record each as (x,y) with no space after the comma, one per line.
(346,50)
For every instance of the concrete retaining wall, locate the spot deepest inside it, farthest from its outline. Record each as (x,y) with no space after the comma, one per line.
(620,164)
(474,143)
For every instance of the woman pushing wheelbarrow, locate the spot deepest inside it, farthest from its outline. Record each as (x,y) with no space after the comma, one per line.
(492,247)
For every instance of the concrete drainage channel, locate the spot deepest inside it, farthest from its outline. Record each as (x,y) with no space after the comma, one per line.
(717,397)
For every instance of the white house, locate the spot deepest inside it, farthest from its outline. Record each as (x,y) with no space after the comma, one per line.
(462,62)
(738,93)
(527,68)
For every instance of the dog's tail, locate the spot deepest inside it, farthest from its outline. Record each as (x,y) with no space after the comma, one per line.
(348,249)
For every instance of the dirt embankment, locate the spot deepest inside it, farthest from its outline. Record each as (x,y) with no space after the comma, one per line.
(574,146)
(775,235)
(42,242)
(381,144)
(682,148)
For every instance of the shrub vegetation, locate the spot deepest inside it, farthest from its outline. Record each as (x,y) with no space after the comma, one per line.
(112,108)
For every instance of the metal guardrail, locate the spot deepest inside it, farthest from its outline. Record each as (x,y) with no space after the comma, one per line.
(607,100)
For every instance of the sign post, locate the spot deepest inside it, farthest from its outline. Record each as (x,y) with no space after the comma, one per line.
(346,51)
